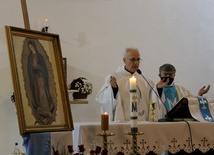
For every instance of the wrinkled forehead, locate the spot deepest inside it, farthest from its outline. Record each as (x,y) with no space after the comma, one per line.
(132,53)
(167,73)
(167,68)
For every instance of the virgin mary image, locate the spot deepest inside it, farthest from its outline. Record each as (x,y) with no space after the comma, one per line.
(38,74)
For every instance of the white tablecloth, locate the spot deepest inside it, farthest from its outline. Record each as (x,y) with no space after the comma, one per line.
(157,136)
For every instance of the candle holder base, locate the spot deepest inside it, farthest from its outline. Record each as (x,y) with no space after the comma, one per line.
(105,139)
(105,134)
(133,133)
(45,29)
(134,141)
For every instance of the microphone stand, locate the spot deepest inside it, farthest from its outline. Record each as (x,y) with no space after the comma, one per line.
(162,119)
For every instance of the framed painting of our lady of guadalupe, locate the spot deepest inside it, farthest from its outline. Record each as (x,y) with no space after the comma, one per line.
(40,89)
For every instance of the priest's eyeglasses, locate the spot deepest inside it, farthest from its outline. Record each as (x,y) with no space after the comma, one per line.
(133,59)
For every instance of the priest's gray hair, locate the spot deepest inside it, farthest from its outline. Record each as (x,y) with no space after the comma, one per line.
(127,51)
(167,67)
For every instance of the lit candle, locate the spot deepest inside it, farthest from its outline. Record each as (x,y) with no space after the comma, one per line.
(46,22)
(133,105)
(105,121)
(132,82)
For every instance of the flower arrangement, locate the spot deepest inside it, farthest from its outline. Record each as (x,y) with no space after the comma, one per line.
(96,151)
(69,151)
(82,85)
(65,150)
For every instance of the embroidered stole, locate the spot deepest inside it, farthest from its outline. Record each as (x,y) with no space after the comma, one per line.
(171,97)
(204,109)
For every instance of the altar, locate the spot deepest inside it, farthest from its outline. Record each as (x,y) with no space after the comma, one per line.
(157,137)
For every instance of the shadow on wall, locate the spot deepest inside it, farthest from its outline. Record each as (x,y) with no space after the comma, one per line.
(92,110)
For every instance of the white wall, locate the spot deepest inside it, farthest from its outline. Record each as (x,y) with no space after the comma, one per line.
(93,35)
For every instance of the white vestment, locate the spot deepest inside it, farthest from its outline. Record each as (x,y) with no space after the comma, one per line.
(161,111)
(119,107)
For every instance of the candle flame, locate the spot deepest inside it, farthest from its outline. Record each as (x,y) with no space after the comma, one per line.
(106,113)
(46,19)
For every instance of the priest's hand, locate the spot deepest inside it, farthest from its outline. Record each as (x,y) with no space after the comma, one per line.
(203,90)
(113,82)
(162,83)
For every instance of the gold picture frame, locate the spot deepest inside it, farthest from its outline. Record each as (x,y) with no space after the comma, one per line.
(40,90)
(64,61)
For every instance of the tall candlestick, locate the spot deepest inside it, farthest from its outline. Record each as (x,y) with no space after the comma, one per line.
(105,121)
(133,105)
(46,22)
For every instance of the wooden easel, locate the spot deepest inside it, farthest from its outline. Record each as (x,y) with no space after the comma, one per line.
(25,14)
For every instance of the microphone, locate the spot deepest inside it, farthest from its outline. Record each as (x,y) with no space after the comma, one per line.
(139,72)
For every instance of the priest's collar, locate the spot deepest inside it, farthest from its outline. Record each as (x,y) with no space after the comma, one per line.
(172,84)
(128,70)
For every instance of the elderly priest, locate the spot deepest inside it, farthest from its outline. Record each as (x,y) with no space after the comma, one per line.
(114,96)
